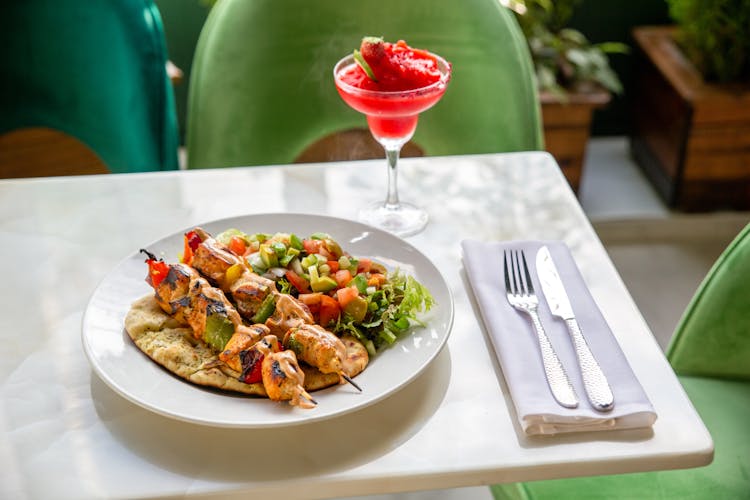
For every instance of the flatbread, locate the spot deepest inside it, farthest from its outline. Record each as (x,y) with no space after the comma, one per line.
(172,345)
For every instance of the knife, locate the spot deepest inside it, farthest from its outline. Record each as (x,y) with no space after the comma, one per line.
(594,381)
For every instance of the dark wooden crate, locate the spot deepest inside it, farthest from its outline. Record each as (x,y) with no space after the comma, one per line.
(691,138)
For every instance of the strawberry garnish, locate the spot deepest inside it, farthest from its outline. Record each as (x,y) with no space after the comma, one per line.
(370,55)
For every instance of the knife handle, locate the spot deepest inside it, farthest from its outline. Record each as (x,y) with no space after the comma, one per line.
(559,383)
(597,387)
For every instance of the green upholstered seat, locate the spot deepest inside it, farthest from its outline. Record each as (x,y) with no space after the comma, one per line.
(713,337)
(710,352)
(262,90)
(93,70)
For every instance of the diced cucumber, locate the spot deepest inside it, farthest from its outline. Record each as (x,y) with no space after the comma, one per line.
(296,242)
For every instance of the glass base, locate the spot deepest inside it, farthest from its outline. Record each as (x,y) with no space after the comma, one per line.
(403,219)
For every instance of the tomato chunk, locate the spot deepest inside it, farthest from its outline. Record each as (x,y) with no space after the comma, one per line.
(298,282)
(237,245)
(343,277)
(329,310)
(346,295)
(364,265)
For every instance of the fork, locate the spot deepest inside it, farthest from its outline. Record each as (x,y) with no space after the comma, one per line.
(521,295)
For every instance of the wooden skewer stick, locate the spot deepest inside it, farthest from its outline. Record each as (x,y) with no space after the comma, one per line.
(349,379)
(310,398)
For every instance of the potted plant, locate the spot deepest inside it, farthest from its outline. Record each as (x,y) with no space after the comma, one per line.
(691,105)
(573,75)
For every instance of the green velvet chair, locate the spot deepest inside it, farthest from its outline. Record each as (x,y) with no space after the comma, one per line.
(710,352)
(94,71)
(262,91)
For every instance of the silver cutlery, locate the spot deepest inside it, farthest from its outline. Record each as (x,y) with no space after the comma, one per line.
(521,295)
(595,382)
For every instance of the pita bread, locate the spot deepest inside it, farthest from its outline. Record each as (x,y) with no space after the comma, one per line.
(172,345)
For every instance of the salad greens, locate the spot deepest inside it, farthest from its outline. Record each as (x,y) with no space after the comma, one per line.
(345,294)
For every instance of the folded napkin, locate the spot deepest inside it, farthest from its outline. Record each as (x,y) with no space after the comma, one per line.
(517,348)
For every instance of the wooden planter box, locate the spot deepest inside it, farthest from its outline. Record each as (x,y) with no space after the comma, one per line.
(567,129)
(691,138)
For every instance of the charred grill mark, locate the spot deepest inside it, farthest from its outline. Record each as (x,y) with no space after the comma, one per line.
(249,358)
(175,276)
(181,303)
(214,306)
(277,371)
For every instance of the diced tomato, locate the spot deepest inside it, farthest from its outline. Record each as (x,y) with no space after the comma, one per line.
(316,247)
(329,310)
(364,265)
(342,277)
(334,265)
(312,246)
(157,271)
(310,299)
(298,282)
(346,295)
(237,245)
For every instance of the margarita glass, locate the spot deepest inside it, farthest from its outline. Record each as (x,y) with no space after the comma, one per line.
(392,117)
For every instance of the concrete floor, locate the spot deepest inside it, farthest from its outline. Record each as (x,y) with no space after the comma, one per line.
(661,255)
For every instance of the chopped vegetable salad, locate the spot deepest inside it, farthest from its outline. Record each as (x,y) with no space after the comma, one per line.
(345,294)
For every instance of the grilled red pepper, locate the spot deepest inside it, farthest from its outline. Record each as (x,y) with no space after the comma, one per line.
(157,269)
(192,240)
(252,362)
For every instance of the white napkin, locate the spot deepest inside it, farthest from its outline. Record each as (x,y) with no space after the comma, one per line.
(517,348)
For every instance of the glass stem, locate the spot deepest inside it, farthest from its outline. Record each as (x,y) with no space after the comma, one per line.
(391,156)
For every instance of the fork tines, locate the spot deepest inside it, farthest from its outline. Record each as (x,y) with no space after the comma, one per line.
(517,282)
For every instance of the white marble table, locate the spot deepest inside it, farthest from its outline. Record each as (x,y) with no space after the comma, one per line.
(65,434)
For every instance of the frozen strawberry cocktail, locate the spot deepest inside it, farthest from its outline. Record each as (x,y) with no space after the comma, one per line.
(391,83)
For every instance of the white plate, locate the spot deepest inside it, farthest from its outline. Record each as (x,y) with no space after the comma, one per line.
(129,372)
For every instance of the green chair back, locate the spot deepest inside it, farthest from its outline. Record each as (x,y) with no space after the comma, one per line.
(713,337)
(93,70)
(262,90)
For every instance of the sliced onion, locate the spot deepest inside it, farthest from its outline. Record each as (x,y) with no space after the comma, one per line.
(277,272)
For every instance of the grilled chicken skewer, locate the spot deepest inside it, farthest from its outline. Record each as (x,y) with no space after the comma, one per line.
(190,298)
(316,346)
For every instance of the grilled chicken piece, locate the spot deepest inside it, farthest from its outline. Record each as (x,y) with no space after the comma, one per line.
(212,258)
(243,339)
(172,292)
(318,347)
(189,298)
(284,380)
(356,356)
(249,291)
(282,377)
(289,313)
(205,300)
